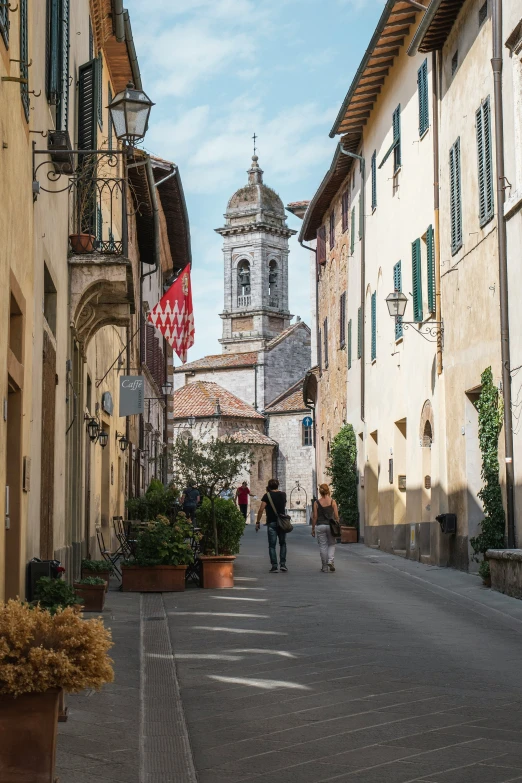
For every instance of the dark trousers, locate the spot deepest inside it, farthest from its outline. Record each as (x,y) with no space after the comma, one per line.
(275,533)
(190,511)
(243,507)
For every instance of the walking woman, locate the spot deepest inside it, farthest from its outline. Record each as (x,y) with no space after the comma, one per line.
(325,511)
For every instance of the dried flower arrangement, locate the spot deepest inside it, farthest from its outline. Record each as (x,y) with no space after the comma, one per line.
(39,651)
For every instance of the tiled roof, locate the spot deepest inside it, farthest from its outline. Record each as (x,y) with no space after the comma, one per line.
(283,335)
(289,400)
(200,399)
(254,437)
(220,361)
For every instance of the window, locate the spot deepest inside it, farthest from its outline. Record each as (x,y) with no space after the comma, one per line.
(483,13)
(397,286)
(455,63)
(342,319)
(430,253)
(4,22)
(374,181)
(485,162)
(374,325)
(361,217)
(110,129)
(99,96)
(24,57)
(49,300)
(272,284)
(455,198)
(321,245)
(307,435)
(345,206)
(332,229)
(359,332)
(422,87)
(260,470)
(57,60)
(325,338)
(352,232)
(396,143)
(416,275)
(319,350)
(349,343)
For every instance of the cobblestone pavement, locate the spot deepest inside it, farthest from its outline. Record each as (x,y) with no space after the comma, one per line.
(385,670)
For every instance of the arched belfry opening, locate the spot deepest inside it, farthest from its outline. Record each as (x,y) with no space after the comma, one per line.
(243,283)
(273,283)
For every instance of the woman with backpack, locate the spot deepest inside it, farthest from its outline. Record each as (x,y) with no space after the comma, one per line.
(325,517)
(274,501)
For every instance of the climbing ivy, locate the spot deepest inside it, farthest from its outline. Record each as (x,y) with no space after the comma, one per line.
(490,408)
(343,471)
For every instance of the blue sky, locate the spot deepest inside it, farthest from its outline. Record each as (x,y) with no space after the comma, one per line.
(218,70)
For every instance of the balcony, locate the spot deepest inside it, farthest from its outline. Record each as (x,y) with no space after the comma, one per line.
(244,301)
(98,220)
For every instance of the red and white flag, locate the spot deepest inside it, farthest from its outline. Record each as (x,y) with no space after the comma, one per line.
(173,315)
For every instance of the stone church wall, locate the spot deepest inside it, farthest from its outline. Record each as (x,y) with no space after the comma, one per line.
(287,363)
(295,462)
(240,382)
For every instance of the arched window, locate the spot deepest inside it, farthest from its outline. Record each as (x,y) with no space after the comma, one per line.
(307,435)
(260,470)
(427,436)
(273,283)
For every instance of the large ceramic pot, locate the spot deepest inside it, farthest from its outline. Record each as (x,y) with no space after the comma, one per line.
(82,243)
(28,726)
(153,579)
(348,534)
(102,574)
(93,596)
(217,570)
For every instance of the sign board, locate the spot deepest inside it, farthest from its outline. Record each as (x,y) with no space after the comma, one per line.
(412,536)
(307,421)
(107,404)
(132,400)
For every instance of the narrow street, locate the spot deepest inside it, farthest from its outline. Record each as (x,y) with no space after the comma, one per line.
(385,670)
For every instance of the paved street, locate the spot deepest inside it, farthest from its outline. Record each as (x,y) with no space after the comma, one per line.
(385,670)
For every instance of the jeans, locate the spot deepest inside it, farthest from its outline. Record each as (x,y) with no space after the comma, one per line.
(326,544)
(243,507)
(275,533)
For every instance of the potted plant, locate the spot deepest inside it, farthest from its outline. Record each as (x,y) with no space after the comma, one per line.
(53,594)
(42,654)
(161,557)
(91,591)
(82,240)
(158,499)
(217,570)
(485,573)
(343,471)
(100,568)
(211,465)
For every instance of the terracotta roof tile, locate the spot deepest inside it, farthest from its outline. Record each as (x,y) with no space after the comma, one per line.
(199,399)
(254,437)
(219,361)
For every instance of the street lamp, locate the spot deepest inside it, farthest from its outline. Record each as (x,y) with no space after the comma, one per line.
(167,388)
(122,440)
(397,302)
(130,110)
(93,429)
(103,438)
(191,421)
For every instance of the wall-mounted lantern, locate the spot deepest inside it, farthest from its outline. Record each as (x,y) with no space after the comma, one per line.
(103,438)
(130,110)
(122,440)
(93,428)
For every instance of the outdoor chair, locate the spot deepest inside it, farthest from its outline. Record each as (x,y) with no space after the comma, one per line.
(193,572)
(108,556)
(127,543)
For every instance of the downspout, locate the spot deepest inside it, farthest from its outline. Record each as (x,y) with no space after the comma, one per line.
(363,272)
(314,251)
(155,217)
(117,18)
(435,62)
(131,49)
(496,64)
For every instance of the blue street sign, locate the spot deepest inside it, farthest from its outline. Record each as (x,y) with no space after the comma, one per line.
(307,421)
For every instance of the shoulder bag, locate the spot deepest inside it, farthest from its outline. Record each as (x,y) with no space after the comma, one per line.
(335,528)
(284,522)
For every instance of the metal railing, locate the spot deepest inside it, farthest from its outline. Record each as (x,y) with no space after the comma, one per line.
(98,215)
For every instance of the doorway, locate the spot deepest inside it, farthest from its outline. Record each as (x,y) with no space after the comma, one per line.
(13,498)
(47,448)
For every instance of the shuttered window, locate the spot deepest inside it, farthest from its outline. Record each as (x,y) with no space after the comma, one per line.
(397,286)
(455,198)
(416,275)
(110,129)
(332,229)
(361,218)
(325,338)
(52,50)
(99,90)
(422,89)
(359,332)
(4,22)
(24,57)
(62,117)
(485,162)
(91,41)
(319,350)
(374,325)
(430,253)
(349,343)
(374,181)
(345,206)
(57,60)
(342,319)
(396,143)
(87,102)
(321,245)
(352,232)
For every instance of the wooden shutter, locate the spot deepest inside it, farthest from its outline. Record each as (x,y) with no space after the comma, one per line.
(319,350)
(332,229)
(359,332)
(455,198)
(485,162)
(352,232)
(345,209)
(361,216)
(99,90)
(430,252)
(374,180)
(349,343)
(325,338)
(374,325)
(416,274)
(342,319)
(62,114)
(52,50)
(149,351)
(397,286)
(396,123)
(4,22)
(422,88)
(24,57)
(321,245)
(143,332)
(87,101)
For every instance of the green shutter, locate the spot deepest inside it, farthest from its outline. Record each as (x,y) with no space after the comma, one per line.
(397,286)
(319,350)
(455,198)
(4,22)
(374,180)
(352,232)
(361,216)
(416,275)
(53,48)
(396,123)
(110,128)
(62,116)
(349,343)
(99,90)
(24,57)
(359,332)
(422,87)
(485,162)
(87,140)
(374,325)
(430,250)
(325,338)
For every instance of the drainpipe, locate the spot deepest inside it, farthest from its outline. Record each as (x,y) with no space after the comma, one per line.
(496,64)
(131,49)
(435,62)
(363,271)
(155,217)
(314,251)
(117,18)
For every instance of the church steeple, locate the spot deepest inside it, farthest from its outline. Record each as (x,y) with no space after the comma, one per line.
(255,249)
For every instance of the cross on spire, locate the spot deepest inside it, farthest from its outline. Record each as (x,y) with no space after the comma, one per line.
(255,137)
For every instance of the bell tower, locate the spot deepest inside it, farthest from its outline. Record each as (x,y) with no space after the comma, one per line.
(255,251)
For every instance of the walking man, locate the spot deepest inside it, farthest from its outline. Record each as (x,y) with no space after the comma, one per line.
(274,501)
(242,494)
(190,500)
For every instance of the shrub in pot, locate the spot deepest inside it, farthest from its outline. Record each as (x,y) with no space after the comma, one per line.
(99,568)
(158,499)
(218,569)
(53,594)
(343,471)
(161,557)
(41,654)
(91,592)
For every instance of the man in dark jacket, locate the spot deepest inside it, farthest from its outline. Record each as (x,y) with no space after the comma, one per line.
(190,500)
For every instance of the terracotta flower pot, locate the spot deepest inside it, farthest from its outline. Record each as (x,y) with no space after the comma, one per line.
(348,534)
(153,579)
(102,574)
(93,596)
(82,243)
(28,727)
(217,571)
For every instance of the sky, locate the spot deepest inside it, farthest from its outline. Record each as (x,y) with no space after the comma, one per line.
(220,70)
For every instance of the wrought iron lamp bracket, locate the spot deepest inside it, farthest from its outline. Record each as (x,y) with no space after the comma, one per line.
(109,157)
(431,332)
